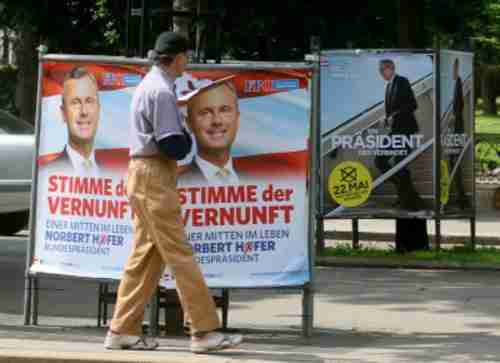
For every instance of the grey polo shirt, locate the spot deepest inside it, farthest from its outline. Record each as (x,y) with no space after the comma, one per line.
(153,114)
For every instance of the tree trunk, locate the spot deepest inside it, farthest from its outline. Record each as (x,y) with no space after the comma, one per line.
(26,55)
(5,46)
(488,92)
(182,23)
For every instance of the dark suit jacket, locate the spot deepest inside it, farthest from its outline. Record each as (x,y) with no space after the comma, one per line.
(63,162)
(192,174)
(400,103)
(458,106)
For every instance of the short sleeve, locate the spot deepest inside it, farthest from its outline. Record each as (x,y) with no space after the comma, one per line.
(165,115)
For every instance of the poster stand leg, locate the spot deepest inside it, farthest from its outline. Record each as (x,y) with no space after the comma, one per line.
(99,305)
(36,300)
(438,234)
(355,234)
(307,311)
(27,300)
(473,232)
(320,236)
(153,314)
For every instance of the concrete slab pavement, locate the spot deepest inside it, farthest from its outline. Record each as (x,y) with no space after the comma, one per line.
(362,315)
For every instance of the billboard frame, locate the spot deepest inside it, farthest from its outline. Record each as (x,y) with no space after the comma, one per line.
(31,296)
(437,215)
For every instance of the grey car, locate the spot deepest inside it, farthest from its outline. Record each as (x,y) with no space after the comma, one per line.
(17,145)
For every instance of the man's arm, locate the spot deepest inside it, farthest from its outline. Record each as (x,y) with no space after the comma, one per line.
(408,103)
(176,146)
(172,139)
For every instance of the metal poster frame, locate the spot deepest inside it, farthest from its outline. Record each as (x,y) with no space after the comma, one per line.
(31,297)
(437,215)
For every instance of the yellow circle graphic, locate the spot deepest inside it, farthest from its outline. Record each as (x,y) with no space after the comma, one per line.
(350,184)
(445,182)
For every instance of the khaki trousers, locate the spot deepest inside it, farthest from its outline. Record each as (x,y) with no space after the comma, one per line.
(159,239)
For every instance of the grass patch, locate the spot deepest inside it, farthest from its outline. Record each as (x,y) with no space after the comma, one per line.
(455,255)
(487,124)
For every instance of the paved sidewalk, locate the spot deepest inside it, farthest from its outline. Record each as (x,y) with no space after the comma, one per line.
(362,315)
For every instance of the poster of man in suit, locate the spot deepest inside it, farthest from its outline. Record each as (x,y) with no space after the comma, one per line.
(377,128)
(213,117)
(456,128)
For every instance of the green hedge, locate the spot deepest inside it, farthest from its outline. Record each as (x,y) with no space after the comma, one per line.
(8,81)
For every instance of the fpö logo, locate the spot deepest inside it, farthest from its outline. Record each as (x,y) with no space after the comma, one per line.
(270,85)
(126,80)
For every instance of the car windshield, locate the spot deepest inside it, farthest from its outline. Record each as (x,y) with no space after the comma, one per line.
(10,124)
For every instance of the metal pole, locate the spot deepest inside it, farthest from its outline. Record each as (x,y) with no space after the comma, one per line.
(32,222)
(320,236)
(473,232)
(437,148)
(473,159)
(35,300)
(27,301)
(153,314)
(355,234)
(308,292)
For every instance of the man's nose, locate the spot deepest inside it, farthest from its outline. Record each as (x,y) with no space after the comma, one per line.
(217,118)
(84,110)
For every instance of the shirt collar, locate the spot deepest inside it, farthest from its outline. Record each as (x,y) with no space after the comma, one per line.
(77,159)
(210,170)
(164,75)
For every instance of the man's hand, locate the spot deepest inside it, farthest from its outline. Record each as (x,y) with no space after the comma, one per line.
(388,121)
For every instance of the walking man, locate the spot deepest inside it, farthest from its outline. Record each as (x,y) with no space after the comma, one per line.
(158,139)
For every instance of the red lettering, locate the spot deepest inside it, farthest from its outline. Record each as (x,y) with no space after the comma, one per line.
(76,206)
(88,207)
(211,216)
(197,217)
(63,180)
(259,216)
(236,195)
(182,196)
(52,183)
(65,206)
(288,212)
(80,185)
(216,195)
(239,215)
(226,216)
(53,204)
(252,193)
(123,209)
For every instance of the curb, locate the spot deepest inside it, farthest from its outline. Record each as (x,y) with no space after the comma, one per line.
(384,237)
(378,262)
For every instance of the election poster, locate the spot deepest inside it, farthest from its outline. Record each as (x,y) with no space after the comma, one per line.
(377,134)
(242,188)
(457,128)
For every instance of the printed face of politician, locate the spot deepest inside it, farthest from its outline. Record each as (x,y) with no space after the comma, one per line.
(80,110)
(215,119)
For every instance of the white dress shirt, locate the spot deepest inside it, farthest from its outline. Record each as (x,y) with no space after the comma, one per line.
(216,175)
(81,165)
